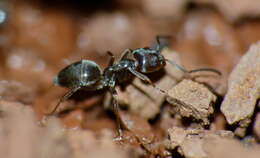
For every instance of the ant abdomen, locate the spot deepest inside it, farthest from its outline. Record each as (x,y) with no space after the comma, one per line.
(79,74)
(148,60)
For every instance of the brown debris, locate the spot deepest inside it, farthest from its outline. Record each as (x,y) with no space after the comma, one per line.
(227,148)
(23,62)
(139,102)
(190,142)
(219,122)
(202,43)
(139,126)
(85,144)
(52,140)
(41,37)
(173,9)
(240,8)
(257,126)
(49,34)
(74,119)
(16,91)
(243,89)
(31,141)
(192,99)
(141,132)
(95,38)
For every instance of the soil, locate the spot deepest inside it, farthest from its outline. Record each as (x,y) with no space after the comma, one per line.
(199,115)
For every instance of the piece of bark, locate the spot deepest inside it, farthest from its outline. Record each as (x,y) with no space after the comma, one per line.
(243,89)
(192,99)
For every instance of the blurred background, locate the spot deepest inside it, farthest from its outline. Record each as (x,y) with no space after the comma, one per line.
(40,37)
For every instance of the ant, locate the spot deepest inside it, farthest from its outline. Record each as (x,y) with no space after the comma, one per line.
(86,74)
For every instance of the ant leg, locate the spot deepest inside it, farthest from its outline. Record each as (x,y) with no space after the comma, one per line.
(145,78)
(124,54)
(112,58)
(116,112)
(63,98)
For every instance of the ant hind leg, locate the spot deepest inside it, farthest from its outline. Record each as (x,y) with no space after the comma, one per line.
(63,98)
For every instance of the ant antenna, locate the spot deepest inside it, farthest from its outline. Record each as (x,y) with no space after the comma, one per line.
(160,46)
(206,69)
(177,65)
(192,71)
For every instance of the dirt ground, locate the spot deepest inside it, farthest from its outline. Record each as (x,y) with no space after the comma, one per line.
(200,115)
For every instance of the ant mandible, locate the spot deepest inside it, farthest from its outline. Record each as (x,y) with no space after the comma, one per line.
(86,74)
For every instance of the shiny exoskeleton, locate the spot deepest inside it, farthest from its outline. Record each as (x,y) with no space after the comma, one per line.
(88,75)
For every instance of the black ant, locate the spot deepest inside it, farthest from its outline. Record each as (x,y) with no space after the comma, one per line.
(86,74)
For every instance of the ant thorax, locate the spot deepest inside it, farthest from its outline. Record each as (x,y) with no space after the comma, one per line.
(118,73)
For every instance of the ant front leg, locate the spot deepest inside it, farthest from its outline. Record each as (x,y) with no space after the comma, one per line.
(112,58)
(125,54)
(145,78)
(116,112)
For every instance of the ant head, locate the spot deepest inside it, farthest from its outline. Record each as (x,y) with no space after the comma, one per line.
(148,60)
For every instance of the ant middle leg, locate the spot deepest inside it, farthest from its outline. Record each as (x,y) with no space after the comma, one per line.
(145,78)
(116,112)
